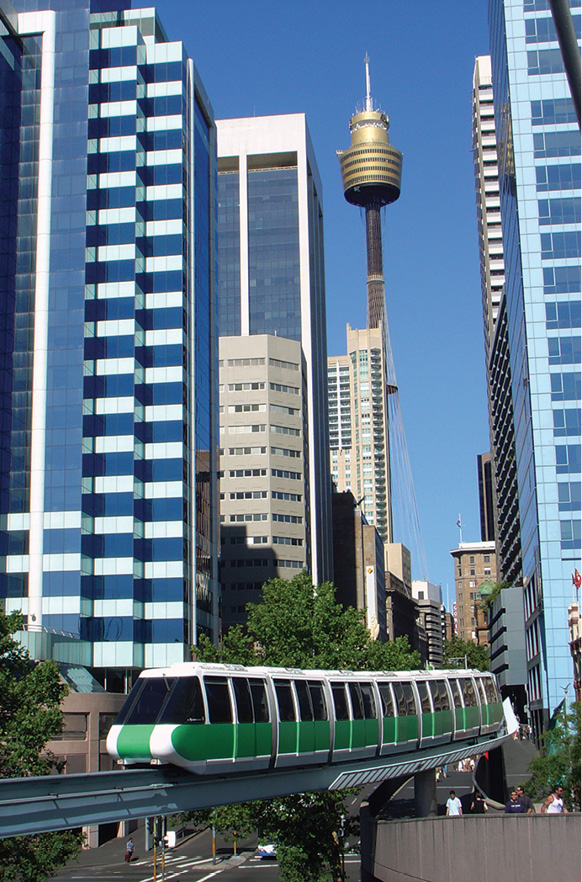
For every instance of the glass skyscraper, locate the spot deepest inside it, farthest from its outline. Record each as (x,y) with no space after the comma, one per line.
(108,332)
(538,143)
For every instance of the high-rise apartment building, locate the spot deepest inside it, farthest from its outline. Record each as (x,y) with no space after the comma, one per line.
(539,171)
(501,506)
(271,282)
(108,378)
(358,425)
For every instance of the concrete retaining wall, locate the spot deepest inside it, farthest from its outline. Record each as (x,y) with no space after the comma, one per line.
(530,848)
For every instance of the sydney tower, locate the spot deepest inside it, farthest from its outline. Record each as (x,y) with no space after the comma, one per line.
(371,169)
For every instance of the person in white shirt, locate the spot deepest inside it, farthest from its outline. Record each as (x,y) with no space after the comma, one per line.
(554,804)
(454,807)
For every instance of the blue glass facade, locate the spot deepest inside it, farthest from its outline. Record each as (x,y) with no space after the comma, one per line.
(229,253)
(274,296)
(539,146)
(108,425)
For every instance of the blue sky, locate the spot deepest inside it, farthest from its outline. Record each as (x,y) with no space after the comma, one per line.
(258,58)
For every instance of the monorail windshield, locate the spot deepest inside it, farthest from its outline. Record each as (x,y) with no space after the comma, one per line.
(144,702)
(185,704)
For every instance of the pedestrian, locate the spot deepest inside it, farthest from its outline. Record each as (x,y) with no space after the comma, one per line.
(454,807)
(513,806)
(554,804)
(478,804)
(129,846)
(528,808)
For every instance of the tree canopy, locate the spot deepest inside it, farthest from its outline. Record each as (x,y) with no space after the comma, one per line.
(498,587)
(298,626)
(30,715)
(457,651)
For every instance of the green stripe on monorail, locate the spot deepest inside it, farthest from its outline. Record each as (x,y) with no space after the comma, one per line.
(222,741)
(253,739)
(399,730)
(436,724)
(466,718)
(133,742)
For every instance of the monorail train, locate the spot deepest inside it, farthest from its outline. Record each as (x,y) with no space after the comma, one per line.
(210,718)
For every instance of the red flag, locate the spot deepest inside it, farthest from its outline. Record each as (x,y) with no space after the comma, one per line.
(576,578)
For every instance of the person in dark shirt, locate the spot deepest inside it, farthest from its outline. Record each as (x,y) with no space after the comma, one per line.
(513,806)
(528,808)
(478,804)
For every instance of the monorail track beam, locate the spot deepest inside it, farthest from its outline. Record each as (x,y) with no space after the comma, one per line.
(62,802)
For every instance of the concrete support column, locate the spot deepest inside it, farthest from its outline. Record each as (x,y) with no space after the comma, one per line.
(425,794)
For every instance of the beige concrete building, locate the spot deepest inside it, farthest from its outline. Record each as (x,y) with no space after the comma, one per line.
(88,716)
(475,570)
(264,479)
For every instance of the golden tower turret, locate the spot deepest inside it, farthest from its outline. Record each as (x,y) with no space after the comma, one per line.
(371,171)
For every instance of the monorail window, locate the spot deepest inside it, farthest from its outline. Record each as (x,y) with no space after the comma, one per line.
(400,699)
(387,702)
(482,693)
(440,696)
(491,691)
(357,704)
(409,698)
(454,684)
(285,701)
(185,704)
(368,701)
(340,701)
(260,705)
(127,704)
(424,696)
(150,698)
(469,696)
(317,700)
(244,703)
(304,700)
(218,698)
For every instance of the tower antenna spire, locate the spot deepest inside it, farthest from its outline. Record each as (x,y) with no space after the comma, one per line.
(368,90)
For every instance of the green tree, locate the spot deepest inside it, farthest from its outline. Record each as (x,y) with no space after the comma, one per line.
(296,625)
(495,591)
(457,650)
(559,758)
(30,715)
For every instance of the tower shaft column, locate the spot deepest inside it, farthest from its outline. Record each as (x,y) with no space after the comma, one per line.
(375,278)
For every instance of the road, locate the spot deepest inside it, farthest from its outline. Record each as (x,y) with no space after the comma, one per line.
(191,861)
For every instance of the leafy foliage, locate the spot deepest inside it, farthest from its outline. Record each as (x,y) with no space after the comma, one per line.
(496,590)
(297,626)
(30,715)
(559,760)
(310,830)
(456,650)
